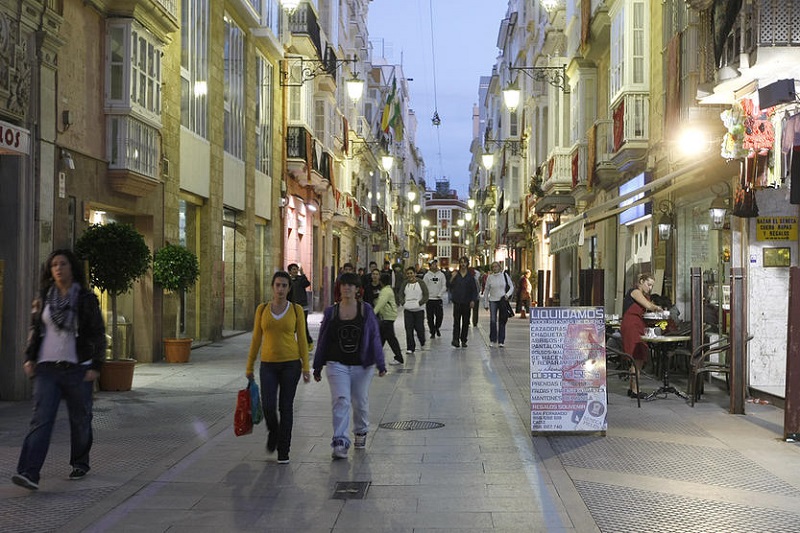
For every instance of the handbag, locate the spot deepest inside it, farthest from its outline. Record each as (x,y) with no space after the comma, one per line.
(506,311)
(243,416)
(256,410)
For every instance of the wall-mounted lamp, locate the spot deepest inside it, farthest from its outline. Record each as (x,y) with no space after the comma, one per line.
(511,96)
(471,203)
(555,76)
(412,195)
(387,162)
(67,163)
(416,208)
(487,160)
(665,223)
(311,208)
(460,222)
(468,217)
(283,201)
(66,119)
(718,209)
(295,71)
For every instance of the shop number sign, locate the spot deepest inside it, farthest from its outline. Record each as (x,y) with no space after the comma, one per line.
(776,228)
(568,370)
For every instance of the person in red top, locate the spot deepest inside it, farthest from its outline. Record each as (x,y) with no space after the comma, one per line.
(634,305)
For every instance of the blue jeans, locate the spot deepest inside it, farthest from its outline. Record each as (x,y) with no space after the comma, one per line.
(278,387)
(349,386)
(50,384)
(497,328)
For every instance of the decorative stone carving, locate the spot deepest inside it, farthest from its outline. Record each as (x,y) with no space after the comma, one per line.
(15,68)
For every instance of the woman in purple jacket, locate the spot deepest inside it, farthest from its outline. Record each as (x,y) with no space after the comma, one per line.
(349,345)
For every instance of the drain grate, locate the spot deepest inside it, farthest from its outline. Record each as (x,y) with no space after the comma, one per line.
(350,490)
(411,425)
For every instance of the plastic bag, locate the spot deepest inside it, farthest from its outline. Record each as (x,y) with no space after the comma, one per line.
(243,416)
(256,410)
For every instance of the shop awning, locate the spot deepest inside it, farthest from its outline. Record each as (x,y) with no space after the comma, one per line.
(569,235)
(566,232)
(13,139)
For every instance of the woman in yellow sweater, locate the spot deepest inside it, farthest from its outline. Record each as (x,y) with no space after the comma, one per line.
(279,332)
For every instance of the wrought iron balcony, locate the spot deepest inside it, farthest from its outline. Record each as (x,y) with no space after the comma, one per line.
(631,118)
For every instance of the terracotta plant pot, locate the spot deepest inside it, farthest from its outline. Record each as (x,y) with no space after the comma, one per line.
(177,350)
(117,375)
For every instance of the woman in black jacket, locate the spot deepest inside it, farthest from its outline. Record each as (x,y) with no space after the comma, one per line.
(65,352)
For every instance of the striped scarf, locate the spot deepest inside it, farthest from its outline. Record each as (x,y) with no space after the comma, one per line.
(63,309)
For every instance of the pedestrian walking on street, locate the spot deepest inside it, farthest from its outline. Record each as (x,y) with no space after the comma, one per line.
(386,310)
(64,355)
(524,294)
(413,299)
(373,287)
(298,295)
(279,332)
(498,287)
(464,294)
(350,348)
(436,283)
(478,275)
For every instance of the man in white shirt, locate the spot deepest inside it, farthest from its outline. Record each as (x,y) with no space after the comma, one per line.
(434,280)
(413,298)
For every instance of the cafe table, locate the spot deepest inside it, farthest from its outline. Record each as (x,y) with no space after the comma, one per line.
(659,347)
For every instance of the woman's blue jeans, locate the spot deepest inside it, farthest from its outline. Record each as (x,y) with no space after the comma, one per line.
(51,383)
(497,327)
(349,386)
(278,388)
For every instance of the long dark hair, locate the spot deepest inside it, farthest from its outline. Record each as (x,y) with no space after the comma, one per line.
(78,274)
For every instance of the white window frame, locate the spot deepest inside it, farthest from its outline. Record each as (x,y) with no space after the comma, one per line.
(194,65)
(629,69)
(264,94)
(233,99)
(132,145)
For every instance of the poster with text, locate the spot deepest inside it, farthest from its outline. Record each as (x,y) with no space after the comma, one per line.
(568,370)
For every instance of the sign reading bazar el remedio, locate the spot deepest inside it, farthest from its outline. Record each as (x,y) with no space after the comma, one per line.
(776,228)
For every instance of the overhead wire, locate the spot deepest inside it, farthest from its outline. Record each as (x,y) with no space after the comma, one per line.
(435,119)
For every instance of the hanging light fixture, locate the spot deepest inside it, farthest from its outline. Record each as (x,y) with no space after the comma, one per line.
(487,160)
(665,222)
(387,162)
(355,87)
(511,96)
(717,212)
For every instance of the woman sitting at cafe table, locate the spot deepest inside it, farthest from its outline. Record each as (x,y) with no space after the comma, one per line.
(635,304)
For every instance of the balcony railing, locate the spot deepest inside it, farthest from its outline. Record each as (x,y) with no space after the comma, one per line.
(133,145)
(631,119)
(580,169)
(604,142)
(558,170)
(303,21)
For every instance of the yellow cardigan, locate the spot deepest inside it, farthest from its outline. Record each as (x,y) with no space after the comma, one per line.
(279,340)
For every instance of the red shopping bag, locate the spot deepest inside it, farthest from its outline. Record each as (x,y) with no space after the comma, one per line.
(243,417)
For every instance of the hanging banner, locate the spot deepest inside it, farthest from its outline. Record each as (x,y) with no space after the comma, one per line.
(568,370)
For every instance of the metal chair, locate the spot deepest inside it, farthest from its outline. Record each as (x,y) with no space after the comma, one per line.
(622,356)
(700,364)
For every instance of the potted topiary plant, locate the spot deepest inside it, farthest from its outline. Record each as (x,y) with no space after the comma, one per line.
(176,269)
(117,256)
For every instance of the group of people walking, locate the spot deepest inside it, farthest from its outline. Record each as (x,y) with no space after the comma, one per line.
(67,347)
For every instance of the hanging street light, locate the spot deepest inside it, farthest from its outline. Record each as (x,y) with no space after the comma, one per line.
(387,162)
(511,96)
(487,160)
(355,87)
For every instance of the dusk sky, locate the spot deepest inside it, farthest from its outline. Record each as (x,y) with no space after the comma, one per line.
(464,48)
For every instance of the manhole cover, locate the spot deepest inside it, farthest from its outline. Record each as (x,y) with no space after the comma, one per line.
(409,425)
(350,490)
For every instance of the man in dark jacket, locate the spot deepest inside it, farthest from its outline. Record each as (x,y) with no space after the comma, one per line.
(464,294)
(297,294)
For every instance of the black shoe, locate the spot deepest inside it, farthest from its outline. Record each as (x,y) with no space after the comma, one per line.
(399,359)
(272,441)
(24,481)
(77,473)
(438,333)
(463,344)
(455,343)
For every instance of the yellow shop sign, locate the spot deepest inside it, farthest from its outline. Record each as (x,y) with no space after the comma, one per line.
(776,228)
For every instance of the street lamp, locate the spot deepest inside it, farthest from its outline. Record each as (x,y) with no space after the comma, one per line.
(460,222)
(717,212)
(471,203)
(487,160)
(355,87)
(416,208)
(511,96)
(387,162)
(468,217)
(290,5)
(412,195)
(665,222)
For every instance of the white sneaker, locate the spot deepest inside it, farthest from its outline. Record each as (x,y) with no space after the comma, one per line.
(339,452)
(492,344)
(360,441)
(409,351)
(501,345)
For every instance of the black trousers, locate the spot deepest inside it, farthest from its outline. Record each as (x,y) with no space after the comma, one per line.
(387,335)
(415,322)
(475,314)
(435,311)
(461,315)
